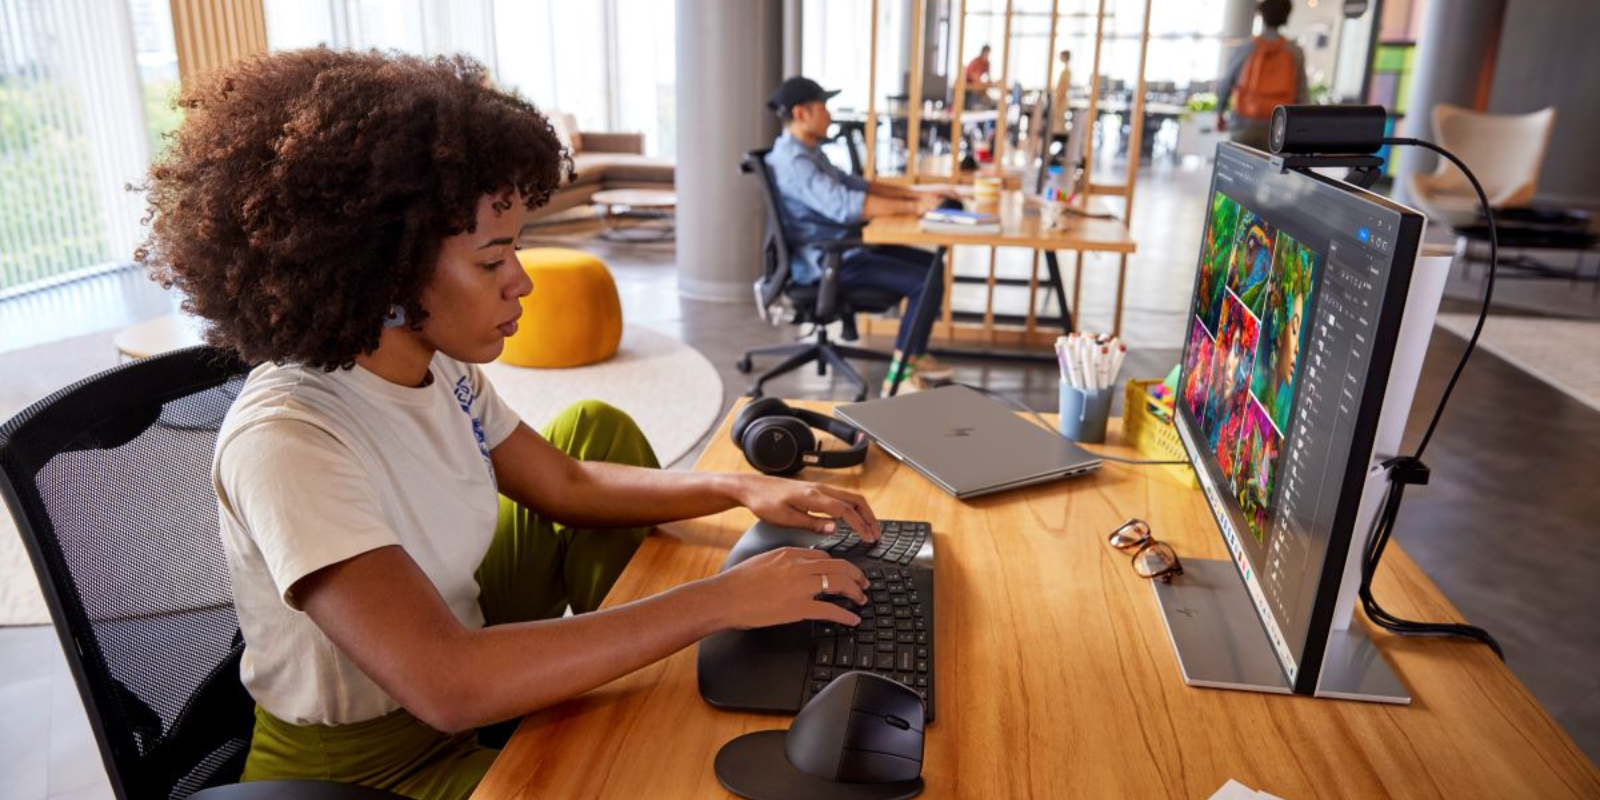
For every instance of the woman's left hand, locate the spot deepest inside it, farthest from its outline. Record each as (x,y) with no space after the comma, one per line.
(792,503)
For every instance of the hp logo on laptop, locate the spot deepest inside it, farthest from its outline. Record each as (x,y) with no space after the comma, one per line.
(960,431)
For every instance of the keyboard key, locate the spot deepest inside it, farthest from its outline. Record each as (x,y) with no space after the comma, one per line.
(905,624)
(864,656)
(922,666)
(922,652)
(900,612)
(904,637)
(846,657)
(874,574)
(903,660)
(817,687)
(885,634)
(822,674)
(886,646)
(824,652)
(886,609)
(885,662)
(922,681)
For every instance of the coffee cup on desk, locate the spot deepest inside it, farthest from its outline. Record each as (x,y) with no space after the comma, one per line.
(1053,216)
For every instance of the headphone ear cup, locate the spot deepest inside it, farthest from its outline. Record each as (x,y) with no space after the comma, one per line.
(754,410)
(774,445)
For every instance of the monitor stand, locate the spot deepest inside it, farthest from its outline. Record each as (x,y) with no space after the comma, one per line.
(1220,642)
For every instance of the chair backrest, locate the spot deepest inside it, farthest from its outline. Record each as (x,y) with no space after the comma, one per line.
(775,240)
(1505,151)
(109,481)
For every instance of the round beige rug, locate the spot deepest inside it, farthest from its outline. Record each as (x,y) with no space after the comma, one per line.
(668,387)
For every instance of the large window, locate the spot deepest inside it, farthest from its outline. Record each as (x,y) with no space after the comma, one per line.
(610,63)
(74,131)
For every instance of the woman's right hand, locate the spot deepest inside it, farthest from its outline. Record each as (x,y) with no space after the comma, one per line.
(779,586)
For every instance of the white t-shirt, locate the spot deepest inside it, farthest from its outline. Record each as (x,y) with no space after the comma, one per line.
(313,468)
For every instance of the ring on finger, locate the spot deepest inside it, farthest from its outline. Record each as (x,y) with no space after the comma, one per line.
(824,584)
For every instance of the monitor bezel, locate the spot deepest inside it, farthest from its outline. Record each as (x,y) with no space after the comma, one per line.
(1368,416)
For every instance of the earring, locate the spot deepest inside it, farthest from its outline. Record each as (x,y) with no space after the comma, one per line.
(396,316)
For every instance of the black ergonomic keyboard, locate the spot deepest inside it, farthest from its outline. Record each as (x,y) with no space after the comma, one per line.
(779,669)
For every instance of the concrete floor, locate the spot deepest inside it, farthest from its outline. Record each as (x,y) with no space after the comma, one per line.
(1507,528)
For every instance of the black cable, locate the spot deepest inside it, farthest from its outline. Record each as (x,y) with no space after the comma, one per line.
(1488,288)
(1042,421)
(1409,469)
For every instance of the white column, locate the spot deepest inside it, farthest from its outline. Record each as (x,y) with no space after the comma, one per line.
(729,61)
(1456,47)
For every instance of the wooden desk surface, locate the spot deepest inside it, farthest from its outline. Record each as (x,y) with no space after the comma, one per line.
(1017,229)
(1055,677)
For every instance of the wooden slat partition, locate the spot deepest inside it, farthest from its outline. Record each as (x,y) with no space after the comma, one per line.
(214,33)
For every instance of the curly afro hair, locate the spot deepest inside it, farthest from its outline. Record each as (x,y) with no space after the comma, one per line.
(308,191)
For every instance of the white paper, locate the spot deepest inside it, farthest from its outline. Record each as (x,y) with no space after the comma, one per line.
(1234,790)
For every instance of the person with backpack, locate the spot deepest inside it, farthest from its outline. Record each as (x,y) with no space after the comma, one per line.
(1267,72)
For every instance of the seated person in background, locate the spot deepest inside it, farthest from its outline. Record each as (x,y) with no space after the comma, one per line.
(402,547)
(820,202)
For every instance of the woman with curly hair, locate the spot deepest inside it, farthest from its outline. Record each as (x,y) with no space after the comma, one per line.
(402,547)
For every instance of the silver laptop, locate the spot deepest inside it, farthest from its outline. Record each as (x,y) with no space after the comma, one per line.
(968,444)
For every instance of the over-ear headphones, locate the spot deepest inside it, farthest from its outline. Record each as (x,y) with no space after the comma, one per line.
(777,439)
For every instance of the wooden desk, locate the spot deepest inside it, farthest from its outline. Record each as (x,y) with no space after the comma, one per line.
(1018,228)
(1055,677)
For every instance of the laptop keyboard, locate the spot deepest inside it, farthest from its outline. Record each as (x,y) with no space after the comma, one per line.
(895,637)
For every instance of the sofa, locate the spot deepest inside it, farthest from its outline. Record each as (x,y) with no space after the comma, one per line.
(603,161)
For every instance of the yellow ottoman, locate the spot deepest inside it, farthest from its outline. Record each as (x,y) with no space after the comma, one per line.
(572,317)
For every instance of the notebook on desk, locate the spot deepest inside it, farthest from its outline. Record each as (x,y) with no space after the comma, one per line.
(967,444)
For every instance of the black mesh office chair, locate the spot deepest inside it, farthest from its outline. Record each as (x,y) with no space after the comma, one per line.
(819,304)
(109,481)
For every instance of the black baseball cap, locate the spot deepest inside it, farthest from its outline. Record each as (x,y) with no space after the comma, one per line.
(797,91)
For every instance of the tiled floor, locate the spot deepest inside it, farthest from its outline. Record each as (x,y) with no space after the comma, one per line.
(1507,528)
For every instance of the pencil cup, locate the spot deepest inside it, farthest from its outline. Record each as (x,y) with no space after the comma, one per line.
(1084,413)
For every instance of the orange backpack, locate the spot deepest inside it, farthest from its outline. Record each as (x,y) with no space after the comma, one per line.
(1267,81)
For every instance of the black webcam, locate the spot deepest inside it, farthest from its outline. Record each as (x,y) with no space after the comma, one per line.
(1315,130)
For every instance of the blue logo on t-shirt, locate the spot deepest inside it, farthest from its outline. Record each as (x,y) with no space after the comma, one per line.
(466,397)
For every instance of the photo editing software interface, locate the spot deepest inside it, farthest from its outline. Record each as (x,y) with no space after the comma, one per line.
(1277,368)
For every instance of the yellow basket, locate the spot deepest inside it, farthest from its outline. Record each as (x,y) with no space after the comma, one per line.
(1154,437)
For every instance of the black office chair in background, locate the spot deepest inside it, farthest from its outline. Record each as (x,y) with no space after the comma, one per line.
(819,304)
(109,481)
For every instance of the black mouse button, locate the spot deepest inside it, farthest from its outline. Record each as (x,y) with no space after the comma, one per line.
(866,766)
(874,733)
(881,696)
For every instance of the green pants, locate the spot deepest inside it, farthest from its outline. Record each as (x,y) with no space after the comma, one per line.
(535,569)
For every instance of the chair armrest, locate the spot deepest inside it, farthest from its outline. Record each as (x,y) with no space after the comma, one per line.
(828,290)
(835,245)
(612,142)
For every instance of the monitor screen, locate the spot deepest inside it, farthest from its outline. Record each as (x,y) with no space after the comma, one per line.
(1296,306)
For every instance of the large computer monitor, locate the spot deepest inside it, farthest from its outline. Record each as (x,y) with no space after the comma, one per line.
(1305,339)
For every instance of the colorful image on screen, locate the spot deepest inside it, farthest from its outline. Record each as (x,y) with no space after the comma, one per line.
(1231,362)
(1252,260)
(1284,324)
(1255,474)
(1214,254)
(1197,369)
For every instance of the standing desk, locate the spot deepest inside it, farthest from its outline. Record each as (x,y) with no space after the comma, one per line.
(1017,229)
(1054,674)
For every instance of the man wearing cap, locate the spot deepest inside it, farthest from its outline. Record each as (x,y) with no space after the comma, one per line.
(820,202)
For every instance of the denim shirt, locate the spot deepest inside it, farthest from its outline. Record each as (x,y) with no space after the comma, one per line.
(817,200)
